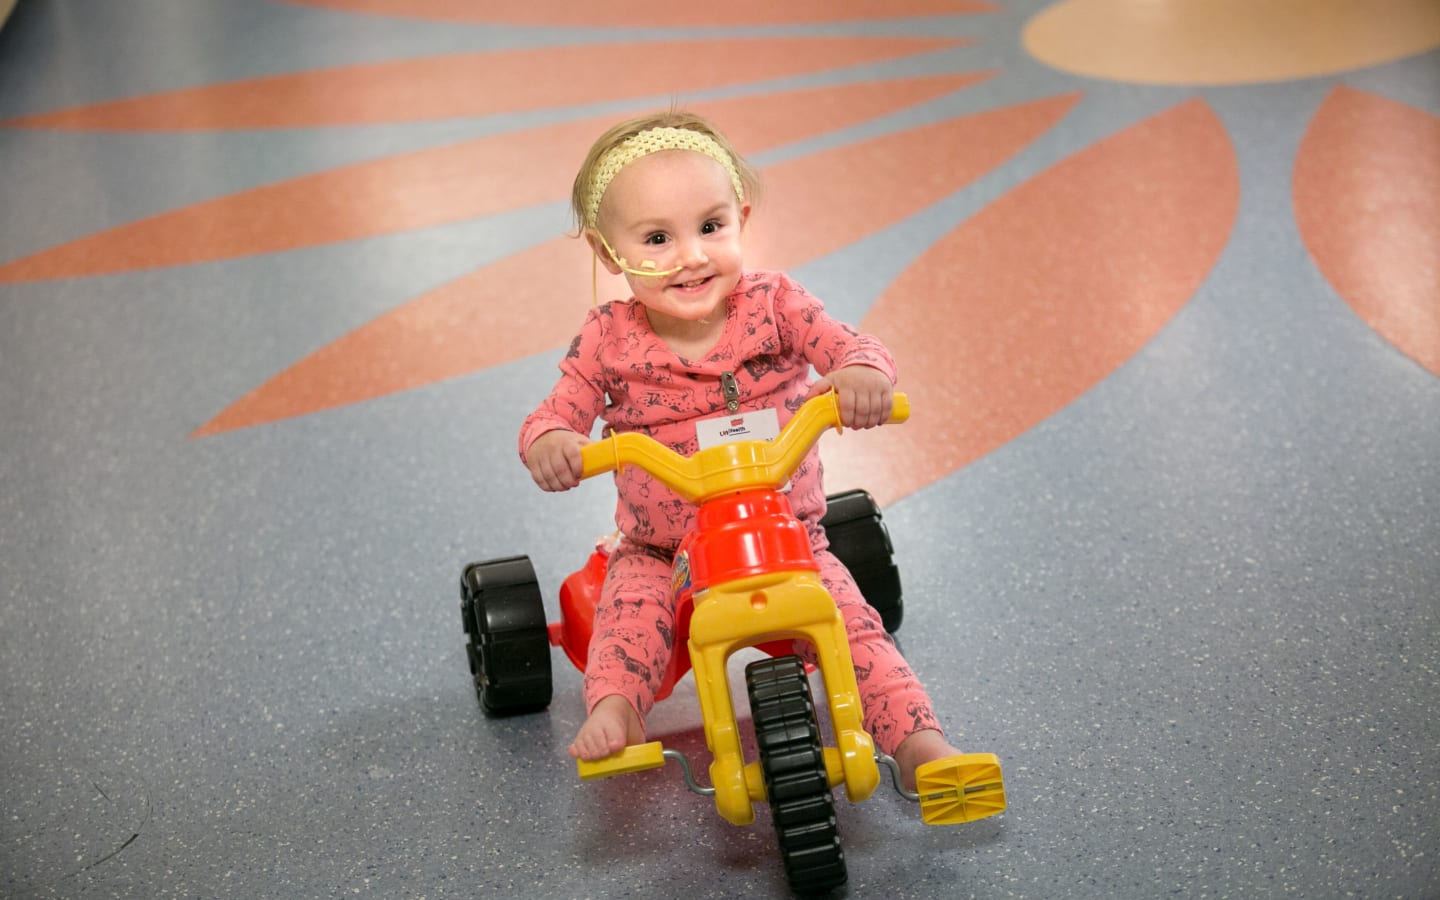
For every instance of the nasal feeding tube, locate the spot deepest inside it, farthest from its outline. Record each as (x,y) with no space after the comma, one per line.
(647,267)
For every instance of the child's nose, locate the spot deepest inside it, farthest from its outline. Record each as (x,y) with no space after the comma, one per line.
(692,253)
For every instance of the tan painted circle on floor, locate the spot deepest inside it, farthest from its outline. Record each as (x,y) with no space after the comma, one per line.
(1209,42)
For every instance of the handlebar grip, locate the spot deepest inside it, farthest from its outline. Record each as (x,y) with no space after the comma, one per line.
(599,457)
(900,409)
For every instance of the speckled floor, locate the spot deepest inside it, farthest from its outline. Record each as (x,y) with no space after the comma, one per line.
(1181,570)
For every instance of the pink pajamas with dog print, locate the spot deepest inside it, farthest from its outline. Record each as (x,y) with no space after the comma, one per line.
(618,370)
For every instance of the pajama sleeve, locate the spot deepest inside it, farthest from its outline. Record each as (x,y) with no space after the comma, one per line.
(578,398)
(826,343)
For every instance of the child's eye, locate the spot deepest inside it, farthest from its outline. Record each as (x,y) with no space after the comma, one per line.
(656,239)
(710,227)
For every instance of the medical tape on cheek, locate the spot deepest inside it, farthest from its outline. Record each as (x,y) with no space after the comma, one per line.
(647,267)
(625,266)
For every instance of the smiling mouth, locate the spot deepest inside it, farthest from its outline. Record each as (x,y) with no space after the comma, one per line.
(688,285)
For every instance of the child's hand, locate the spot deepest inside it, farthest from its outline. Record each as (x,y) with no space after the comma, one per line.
(866,395)
(554,460)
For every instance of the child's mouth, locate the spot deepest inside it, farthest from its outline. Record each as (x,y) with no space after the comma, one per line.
(691,285)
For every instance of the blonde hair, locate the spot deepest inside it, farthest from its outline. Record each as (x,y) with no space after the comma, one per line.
(674,129)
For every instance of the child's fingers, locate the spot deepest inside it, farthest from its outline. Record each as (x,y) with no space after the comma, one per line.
(553,473)
(819,387)
(846,402)
(559,465)
(576,461)
(866,409)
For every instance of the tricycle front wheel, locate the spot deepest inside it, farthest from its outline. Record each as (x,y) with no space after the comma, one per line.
(793,764)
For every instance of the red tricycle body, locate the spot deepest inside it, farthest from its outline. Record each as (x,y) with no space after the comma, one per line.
(742,535)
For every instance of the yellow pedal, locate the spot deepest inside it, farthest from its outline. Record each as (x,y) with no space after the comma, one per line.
(635,758)
(960,788)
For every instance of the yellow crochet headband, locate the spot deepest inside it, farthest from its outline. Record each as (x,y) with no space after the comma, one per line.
(654,140)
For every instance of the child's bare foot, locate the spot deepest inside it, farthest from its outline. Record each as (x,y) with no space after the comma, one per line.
(612,724)
(916,750)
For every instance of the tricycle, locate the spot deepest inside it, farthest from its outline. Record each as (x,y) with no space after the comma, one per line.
(745,577)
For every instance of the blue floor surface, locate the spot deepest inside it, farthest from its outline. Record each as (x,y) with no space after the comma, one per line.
(1196,611)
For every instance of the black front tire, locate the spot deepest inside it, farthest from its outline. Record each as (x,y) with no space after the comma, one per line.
(858,537)
(507,642)
(793,764)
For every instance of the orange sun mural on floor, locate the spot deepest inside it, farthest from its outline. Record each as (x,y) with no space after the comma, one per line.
(1021,308)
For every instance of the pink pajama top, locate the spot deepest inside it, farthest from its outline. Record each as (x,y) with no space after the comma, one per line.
(620,371)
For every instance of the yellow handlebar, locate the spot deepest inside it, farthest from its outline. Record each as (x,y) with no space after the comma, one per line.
(726,468)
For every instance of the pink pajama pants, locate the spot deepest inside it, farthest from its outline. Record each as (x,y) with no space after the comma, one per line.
(634,636)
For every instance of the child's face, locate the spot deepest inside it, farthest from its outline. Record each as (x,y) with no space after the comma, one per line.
(675,208)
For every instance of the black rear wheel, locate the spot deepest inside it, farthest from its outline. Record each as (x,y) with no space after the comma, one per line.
(506,639)
(793,764)
(859,538)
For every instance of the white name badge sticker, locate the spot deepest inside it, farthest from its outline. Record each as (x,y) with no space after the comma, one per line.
(759,425)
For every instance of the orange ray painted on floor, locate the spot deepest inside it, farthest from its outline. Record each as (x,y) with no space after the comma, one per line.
(533,302)
(822,203)
(1367,200)
(481,84)
(603,13)
(1044,293)
(439,185)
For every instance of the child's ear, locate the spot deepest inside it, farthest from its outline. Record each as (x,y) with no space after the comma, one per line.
(744,214)
(592,237)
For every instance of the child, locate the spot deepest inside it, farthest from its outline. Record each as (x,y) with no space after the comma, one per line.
(664,199)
